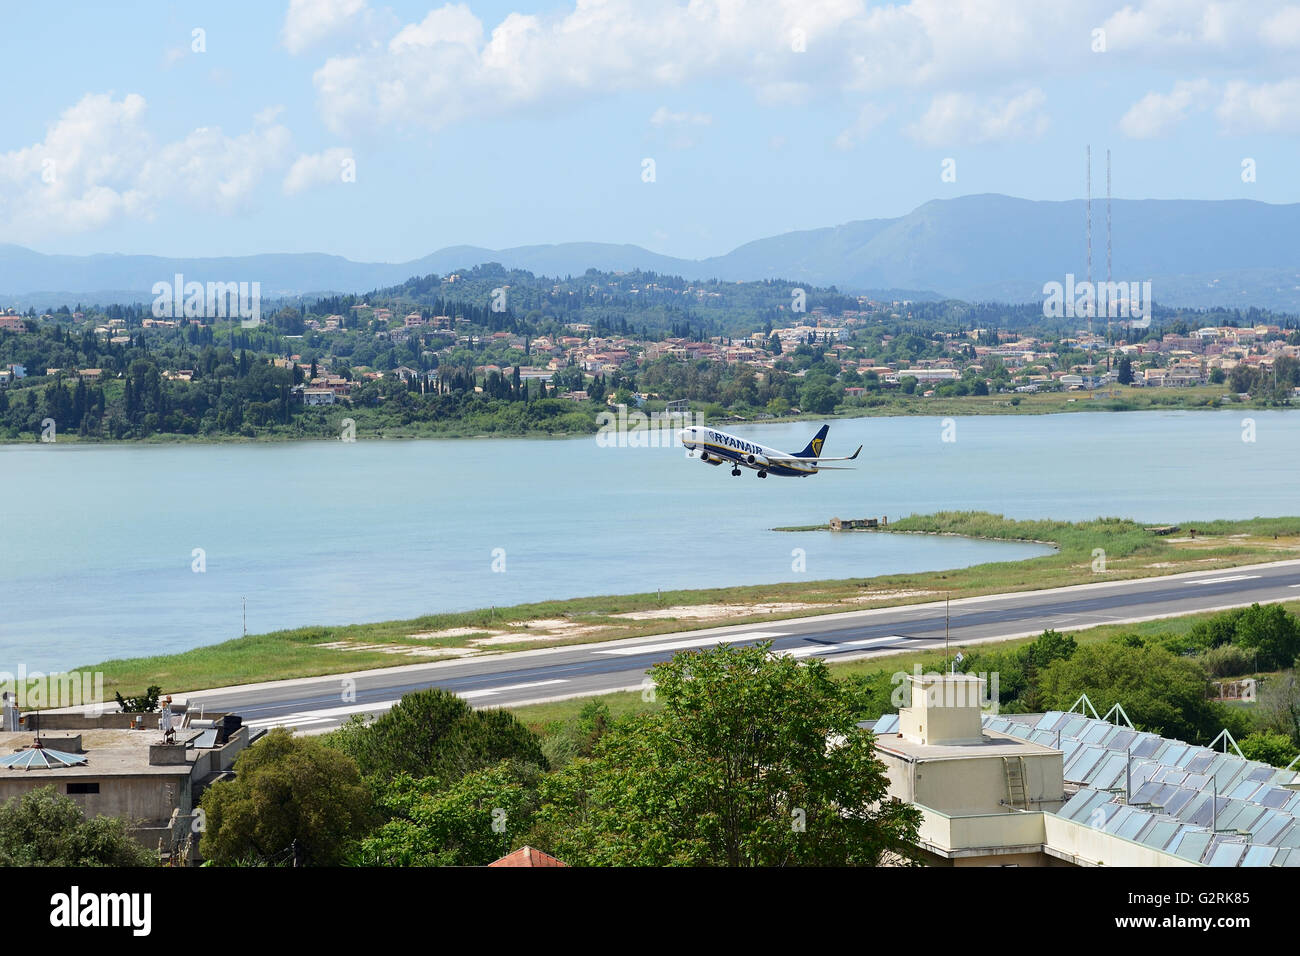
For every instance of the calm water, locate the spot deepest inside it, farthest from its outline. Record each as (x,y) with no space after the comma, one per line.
(98,541)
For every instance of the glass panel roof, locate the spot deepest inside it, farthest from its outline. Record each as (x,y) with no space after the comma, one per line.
(1096,733)
(1111,771)
(1161,832)
(1192,844)
(1073,727)
(1081,762)
(1227,854)
(1121,739)
(1131,827)
(1259,856)
(1146,745)
(1180,799)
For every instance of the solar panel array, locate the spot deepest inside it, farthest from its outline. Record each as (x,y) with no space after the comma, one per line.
(1170,788)
(1161,792)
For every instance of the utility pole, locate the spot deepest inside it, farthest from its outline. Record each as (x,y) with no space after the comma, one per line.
(947,598)
(245,604)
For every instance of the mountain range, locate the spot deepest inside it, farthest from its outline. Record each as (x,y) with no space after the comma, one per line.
(1196,253)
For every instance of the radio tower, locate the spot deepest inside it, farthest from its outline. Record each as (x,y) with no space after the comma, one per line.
(1088,206)
(1109,310)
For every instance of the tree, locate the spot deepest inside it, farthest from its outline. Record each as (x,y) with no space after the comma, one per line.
(1279,705)
(1125,373)
(292,798)
(1270,748)
(139,705)
(434,733)
(476,820)
(1160,692)
(1271,632)
(754,760)
(45,828)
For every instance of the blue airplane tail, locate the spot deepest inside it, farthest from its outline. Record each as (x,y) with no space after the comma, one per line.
(814,448)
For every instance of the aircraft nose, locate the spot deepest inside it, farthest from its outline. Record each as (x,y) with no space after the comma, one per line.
(687,437)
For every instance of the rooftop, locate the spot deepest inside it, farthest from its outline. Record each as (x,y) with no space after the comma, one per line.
(108,753)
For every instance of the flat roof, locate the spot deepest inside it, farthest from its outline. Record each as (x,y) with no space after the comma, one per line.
(993,744)
(108,753)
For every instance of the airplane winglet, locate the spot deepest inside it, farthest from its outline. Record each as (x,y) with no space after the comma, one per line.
(855,454)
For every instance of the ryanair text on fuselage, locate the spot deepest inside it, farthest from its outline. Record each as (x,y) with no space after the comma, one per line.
(714,447)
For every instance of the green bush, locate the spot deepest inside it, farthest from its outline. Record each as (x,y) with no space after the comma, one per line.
(1270,748)
(45,828)
(1227,660)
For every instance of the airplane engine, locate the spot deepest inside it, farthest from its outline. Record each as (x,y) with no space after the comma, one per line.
(709,460)
(758,460)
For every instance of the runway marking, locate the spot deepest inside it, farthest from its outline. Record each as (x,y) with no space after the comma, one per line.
(1231,577)
(474,694)
(291,720)
(814,649)
(317,716)
(697,642)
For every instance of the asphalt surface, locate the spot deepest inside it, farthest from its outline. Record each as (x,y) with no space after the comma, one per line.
(514,678)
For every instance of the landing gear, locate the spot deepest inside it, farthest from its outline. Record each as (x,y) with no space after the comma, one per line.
(762,474)
(735,472)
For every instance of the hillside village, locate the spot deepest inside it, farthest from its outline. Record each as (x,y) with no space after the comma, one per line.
(848,354)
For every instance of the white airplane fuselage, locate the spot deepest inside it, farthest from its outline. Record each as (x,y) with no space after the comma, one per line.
(715,447)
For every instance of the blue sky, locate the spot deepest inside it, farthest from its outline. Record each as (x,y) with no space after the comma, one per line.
(510,123)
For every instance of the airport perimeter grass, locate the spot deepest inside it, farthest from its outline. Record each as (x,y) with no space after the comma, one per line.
(1129,551)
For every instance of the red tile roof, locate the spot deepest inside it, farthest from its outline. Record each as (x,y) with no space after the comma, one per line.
(527,856)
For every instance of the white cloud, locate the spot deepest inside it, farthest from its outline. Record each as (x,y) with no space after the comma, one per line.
(963,118)
(869,117)
(451,66)
(309,22)
(317,169)
(99,164)
(665,117)
(1260,108)
(1156,114)
(1282,29)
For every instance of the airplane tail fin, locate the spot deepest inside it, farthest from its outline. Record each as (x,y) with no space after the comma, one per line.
(814,448)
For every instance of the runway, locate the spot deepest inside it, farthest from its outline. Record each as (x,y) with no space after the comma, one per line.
(514,678)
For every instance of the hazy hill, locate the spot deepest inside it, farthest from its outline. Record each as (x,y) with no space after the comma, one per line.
(982,247)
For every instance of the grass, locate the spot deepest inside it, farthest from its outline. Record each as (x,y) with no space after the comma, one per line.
(1129,551)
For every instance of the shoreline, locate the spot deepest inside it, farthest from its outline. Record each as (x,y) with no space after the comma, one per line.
(1131,552)
(937,408)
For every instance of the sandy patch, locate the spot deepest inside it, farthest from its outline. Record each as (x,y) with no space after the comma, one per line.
(517,639)
(407,650)
(709,612)
(453,632)
(890,595)
(546,624)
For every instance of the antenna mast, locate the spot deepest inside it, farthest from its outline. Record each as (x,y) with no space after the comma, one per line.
(1109,311)
(1088,206)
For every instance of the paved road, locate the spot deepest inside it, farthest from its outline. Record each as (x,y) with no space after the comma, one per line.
(510,679)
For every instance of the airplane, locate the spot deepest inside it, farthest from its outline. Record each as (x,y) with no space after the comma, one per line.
(714,447)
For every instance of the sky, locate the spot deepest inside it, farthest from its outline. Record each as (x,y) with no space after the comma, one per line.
(382,132)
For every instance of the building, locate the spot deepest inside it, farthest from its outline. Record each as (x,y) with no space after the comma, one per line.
(318,396)
(128,772)
(527,856)
(1062,788)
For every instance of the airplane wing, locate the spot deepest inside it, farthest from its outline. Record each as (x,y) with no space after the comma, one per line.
(812,461)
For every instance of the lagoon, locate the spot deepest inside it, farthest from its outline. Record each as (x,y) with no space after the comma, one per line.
(127,550)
